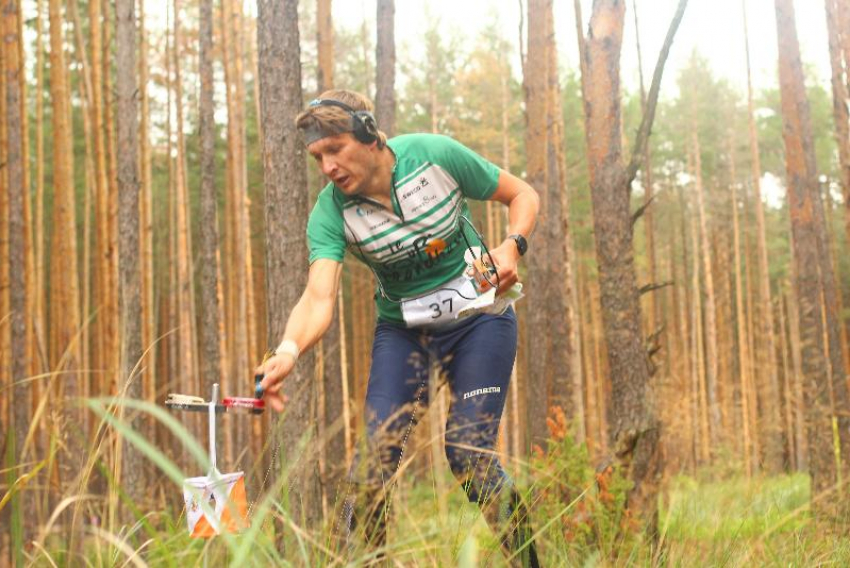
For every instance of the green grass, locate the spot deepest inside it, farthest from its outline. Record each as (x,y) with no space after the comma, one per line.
(733,522)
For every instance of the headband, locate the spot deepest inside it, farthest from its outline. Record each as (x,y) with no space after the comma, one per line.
(315,131)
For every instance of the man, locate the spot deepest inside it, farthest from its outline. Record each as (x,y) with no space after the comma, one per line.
(400,207)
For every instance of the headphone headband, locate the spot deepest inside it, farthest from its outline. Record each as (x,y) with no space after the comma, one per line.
(363,125)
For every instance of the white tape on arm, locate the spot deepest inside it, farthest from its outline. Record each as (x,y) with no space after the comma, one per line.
(288,346)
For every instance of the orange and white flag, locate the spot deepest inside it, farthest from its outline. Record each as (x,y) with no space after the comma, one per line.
(226,507)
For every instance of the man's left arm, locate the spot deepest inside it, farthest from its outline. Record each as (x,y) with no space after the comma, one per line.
(523,204)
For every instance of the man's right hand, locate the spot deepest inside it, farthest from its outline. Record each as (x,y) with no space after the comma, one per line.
(274,370)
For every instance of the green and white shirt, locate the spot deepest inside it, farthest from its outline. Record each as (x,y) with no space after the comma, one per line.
(417,246)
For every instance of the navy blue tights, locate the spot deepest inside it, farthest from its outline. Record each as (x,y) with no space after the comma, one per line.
(476,356)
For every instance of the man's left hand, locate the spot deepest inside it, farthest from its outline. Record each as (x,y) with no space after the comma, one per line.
(505,256)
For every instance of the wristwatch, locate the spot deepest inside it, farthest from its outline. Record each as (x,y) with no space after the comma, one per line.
(521,243)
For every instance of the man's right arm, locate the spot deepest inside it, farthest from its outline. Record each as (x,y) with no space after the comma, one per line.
(308,322)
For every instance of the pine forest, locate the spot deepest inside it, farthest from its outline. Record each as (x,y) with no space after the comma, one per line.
(681,391)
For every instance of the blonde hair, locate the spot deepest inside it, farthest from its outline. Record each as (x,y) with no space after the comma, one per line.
(334,119)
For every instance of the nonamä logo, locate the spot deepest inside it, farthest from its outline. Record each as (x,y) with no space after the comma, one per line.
(476,392)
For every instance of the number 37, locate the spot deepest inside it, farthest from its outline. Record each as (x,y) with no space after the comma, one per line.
(438,312)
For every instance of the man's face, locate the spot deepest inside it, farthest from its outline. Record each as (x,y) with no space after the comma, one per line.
(345,161)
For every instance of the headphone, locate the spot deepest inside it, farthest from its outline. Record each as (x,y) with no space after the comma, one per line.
(363,124)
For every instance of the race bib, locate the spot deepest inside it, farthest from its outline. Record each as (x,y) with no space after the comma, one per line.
(441,306)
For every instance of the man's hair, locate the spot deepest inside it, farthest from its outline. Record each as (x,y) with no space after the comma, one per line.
(333,118)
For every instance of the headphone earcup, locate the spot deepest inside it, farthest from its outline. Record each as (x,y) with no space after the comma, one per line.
(365,127)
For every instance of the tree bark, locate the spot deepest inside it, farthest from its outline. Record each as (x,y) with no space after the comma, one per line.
(769,384)
(211,371)
(743,341)
(806,215)
(64,284)
(325,44)
(840,65)
(108,230)
(40,305)
(185,288)
(146,247)
(105,285)
(634,425)
(539,284)
(385,68)
(285,179)
(564,357)
(130,284)
(711,376)
(15,166)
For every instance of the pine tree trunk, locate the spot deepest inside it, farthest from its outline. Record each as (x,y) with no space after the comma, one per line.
(285,178)
(385,67)
(64,283)
(806,215)
(86,89)
(563,359)
(682,369)
(333,403)
(788,390)
(13,544)
(113,353)
(103,286)
(634,426)
(185,289)
(14,166)
(537,174)
(700,389)
(840,64)
(234,310)
(325,43)
(800,440)
(238,277)
(768,385)
(743,340)
(146,247)
(711,354)
(40,305)
(130,284)
(211,371)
